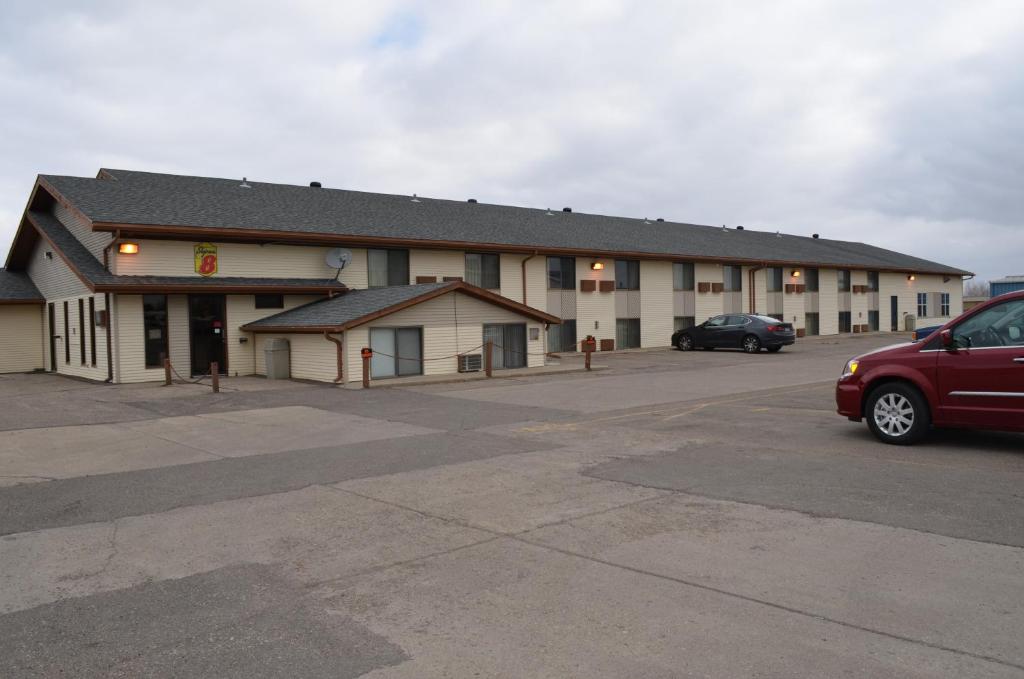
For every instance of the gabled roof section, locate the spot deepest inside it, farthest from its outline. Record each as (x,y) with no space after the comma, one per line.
(356,307)
(18,288)
(146,202)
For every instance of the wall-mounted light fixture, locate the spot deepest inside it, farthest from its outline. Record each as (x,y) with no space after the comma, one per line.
(48,254)
(911,277)
(128,248)
(597,266)
(795,273)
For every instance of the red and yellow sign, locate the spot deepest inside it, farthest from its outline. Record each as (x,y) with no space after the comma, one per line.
(206,259)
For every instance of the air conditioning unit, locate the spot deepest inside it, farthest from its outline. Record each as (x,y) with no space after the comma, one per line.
(470,363)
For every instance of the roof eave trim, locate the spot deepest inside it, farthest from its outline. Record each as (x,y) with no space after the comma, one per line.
(21,301)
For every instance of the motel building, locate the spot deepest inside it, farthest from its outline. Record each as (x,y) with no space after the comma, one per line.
(109,275)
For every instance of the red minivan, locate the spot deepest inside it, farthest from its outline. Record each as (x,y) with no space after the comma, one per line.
(969,373)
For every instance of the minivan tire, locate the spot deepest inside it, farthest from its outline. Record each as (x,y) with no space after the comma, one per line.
(897,414)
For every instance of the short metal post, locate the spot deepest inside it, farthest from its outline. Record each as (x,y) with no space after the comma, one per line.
(367,354)
(489,357)
(167,372)
(215,375)
(586,354)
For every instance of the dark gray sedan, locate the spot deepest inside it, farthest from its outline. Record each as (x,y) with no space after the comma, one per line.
(748,332)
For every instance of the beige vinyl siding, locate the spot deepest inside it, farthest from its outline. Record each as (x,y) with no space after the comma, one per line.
(441,337)
(793,302)
(828,302)
(439,263)
(75,331)
(94,241)
(179,335)
(241,309)
(512,276)
(656,318)
(129,341)
(890,284)
(53,277)
(594,307)
(537,283)
(760,291)
(312,357)
(177,258)
(707,304)
(356,275)
(21,329)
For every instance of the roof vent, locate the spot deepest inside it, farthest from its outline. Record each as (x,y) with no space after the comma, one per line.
(739,228)
(471,200)
(243,185)
(778,234)
(414,199)
(646,221)
(661,219)
(566,209)
(315,185)
(814,235)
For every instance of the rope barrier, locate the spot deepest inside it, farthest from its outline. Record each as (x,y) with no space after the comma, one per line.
(187,381)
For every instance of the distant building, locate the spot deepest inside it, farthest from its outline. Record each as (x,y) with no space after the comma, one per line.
(1008,284)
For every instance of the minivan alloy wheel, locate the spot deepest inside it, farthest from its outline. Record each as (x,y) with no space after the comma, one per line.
(894,414)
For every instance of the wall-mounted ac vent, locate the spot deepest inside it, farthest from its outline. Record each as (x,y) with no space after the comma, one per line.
(470,363)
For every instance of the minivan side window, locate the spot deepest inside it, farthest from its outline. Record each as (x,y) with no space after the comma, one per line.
(1001,325)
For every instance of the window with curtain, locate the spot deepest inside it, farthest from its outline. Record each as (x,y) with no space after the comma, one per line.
(845,321)
(732,278)
(682,276)
(387,267)
(154,316)
(922,304)
(561,273)
(627,274)
(396,352)
(811,280)
(483,270)
(873,281)
(562,337)
(843,280)
(944,304)
(774,275)
(627,333)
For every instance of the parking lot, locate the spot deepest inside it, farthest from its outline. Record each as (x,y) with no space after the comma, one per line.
(701,514)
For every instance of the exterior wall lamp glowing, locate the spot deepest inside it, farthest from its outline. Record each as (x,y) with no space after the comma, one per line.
(128,248)
(911,277)
(597,266)
(795,273)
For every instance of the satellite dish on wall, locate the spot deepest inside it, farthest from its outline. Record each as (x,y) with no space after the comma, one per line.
(338,258)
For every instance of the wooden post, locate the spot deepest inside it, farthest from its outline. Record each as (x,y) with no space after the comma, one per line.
(586,355)
(215,375)
(167,372)
(367,354)
(488,357)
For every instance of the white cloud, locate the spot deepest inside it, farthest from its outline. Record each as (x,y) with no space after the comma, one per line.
(898,124)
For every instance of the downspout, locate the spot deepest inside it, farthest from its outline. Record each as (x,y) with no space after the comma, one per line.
(341,354)
(523,264)
(106,249)
(110,321)
(752,285)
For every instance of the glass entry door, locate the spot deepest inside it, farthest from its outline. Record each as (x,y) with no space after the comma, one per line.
(207,333)
(509,344)
(397,352)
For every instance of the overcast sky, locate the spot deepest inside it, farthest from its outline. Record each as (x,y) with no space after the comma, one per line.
(896,123)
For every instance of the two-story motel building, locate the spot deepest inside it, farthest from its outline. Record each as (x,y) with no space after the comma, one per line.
(107,276)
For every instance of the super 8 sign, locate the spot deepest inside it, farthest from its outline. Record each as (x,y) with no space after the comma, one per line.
(206,259)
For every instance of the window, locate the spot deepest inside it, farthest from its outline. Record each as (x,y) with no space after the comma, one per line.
(396,352)
(873,281)
(922,304)
(944,304)
(509,348)
(81,328)
(736,319)
(627,274)
(269,301)
(717,321)
(154,318)
(845,321)
(682,276)
(998,326)
(387,267)
(811,323)
(774,275)
(67,336)
(682,323)
(92,330)
(843,280)
(811,280)
(483,270)
(732,277)
(627,333)
(562,337)
(873,320)
(561,273)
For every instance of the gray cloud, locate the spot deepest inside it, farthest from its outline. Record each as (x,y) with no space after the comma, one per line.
(897,124)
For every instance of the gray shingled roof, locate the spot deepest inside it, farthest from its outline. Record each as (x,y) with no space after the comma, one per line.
(17,287)
(91,268)
(148,198)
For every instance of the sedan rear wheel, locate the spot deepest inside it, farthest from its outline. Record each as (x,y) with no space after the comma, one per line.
(685,343)
(751,344)
(897,414)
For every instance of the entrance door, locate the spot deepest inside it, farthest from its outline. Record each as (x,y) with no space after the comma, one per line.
(397,352)
(52,317)
(894,312)
(509,344)
(207,333)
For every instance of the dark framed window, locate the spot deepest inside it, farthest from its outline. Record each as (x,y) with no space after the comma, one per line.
(732,278)
(682,276)
(682,323)
(67,336)
(811,323)
(845,321)
(627,274)
(92,331)
(483,270)
(944,304)
(627,333)
(811,280)
(873,320)
(873,281)
(387,267)
(81,328)
(397,352)
(843,280)
(269,301)
(922,304)
(561,273)
(774,275)
(154,318)
(562,337)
